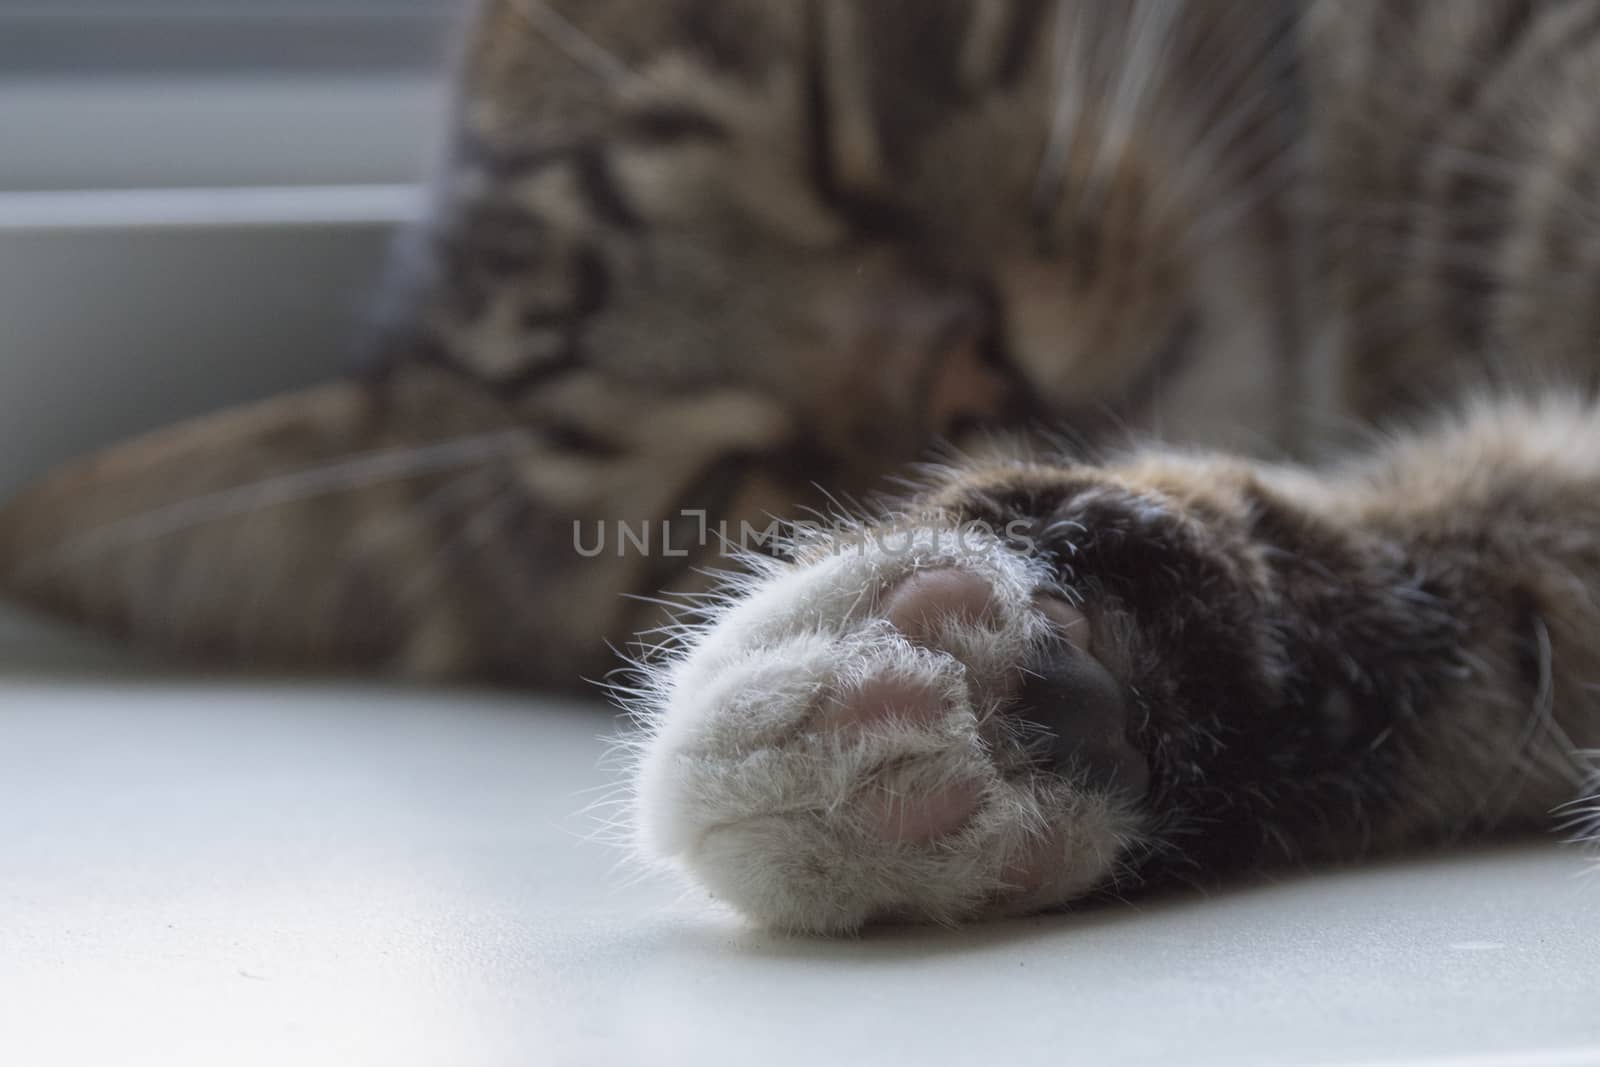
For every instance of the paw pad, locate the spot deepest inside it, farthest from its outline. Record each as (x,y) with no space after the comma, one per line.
(820,768)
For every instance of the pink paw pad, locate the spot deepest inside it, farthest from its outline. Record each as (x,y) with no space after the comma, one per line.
(915,820)
(919,607)
(886,699)
(928,600)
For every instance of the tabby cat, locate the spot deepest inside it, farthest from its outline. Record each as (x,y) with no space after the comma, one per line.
(1255,341)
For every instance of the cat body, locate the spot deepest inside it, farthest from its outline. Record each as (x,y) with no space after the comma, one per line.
(1152,273)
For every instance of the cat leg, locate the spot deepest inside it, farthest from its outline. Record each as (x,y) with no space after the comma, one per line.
(1078,678)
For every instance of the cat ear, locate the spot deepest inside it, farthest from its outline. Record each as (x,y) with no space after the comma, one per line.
(293,531)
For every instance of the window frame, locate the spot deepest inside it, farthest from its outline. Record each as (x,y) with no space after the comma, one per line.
(178,38)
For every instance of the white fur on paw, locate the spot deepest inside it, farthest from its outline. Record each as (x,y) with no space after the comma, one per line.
(820,767)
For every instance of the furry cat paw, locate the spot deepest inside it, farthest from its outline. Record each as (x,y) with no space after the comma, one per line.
(927,731)
(1170,669)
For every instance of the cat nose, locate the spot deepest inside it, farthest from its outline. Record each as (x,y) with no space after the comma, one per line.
(1077,720)
(959,312)
(951,330)
(917,346)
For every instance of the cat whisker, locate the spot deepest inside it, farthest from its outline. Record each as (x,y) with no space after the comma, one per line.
(347,475)
(1065,119)
(1151,30)
(576,45)
(1226,141)
(476,530)
(1273,180)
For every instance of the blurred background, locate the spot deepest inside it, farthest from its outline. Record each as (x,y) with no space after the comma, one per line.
(195,199)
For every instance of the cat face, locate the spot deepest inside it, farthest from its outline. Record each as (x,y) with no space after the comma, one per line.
(901,219)
(728,259)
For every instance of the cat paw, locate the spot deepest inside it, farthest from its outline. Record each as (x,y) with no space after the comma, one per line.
(929,734)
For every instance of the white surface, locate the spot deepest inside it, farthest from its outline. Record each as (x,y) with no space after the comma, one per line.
(218,871)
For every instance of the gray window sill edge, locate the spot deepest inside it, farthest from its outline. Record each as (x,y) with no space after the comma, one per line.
(57,43)
(235,130)
(199,208)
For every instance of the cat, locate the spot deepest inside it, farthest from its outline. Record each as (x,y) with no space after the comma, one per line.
(1256,343)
